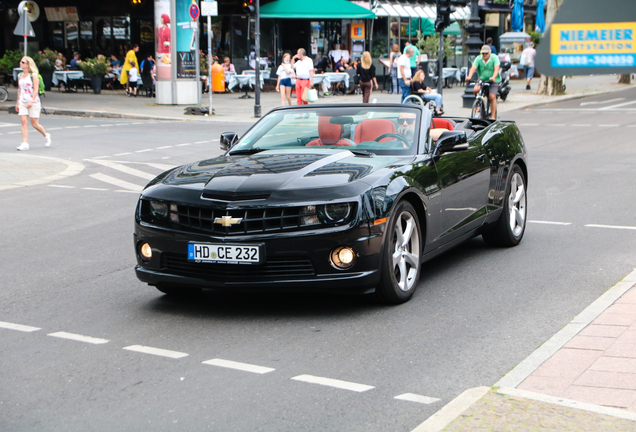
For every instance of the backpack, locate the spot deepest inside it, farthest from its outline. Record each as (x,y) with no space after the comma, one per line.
(41,88)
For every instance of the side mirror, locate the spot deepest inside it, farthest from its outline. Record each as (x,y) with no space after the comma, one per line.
(451,141)
(228,139)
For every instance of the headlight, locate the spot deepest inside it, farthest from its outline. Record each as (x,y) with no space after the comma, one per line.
(335,212)
(159,209)
(343,257)
(325,214)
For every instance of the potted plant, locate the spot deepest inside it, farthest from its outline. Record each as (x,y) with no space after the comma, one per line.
(6,67)
(45,61)
(94,69)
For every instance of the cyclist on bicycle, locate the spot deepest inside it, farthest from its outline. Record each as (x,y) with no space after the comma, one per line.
(487,67)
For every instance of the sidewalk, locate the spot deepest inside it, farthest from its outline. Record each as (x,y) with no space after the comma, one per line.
(582,379)
(229,108)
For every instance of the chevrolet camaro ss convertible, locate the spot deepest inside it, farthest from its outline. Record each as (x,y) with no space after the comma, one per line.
(343,198)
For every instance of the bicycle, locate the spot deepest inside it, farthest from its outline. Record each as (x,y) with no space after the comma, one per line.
(481,106)
(4,94)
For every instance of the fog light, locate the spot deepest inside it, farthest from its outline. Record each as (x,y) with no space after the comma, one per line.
(146,251)
(343,257)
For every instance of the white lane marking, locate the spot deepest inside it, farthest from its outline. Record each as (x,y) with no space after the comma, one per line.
(528,124)
(62,186)
(164,147)
(72,127)
(214,140)
(79,338)
(156,351)
(15,132)
(602,102)
(18,327)
(582,125)
(617,105)
(555,124)
(137,123)
(238,366)
(9,125)
(611,226)
(127,191)
(608,125)
(411,397)
(549,222)
(94,189)
(117,182)
(184,144)
(123,168)
(345,385)
(107,125)
(122,154)
(143,151)
(48,129)
(91,126)
(199,142)
(162,167)
(101,157)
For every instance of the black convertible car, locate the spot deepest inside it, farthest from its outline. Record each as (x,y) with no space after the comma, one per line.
(347,198)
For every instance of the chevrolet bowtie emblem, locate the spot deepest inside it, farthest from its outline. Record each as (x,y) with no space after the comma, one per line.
(227,221)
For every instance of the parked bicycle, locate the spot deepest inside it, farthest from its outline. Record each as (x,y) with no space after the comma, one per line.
(4,94)
(481,106)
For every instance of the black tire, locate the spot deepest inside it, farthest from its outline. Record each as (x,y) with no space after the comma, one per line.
(485,114)
(477,109)
(178,291)
(400,267)
(502,232)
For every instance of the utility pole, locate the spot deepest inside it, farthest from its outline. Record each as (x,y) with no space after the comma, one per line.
(257,47)
(443,20)
(551,86)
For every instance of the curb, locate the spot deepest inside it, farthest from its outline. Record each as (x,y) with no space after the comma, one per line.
(507,385)
(72,169)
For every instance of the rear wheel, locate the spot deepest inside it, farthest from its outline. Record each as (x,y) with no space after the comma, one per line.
(511,225)
(401,256)
(4,94)
(478,108)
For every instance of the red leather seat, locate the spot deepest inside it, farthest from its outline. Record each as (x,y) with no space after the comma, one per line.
(442,123)
(328,133)
(369,130)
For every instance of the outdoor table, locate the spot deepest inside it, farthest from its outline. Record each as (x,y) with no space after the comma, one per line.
(64,76)
(243,80)
(450,73)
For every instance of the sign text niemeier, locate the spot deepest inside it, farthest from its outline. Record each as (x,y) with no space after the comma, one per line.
(608,44)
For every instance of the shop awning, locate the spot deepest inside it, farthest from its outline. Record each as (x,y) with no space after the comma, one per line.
(324,9)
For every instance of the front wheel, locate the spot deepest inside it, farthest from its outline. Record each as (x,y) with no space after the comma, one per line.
(4,94)
(478,108)
(401,256)
(511,225)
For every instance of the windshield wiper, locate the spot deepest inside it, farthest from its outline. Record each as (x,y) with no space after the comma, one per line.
(252,150)
(361,152)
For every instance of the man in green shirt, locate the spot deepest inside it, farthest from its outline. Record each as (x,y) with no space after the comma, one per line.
(487,67)
(415,60)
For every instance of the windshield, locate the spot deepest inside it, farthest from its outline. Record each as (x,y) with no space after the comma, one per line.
(377,130)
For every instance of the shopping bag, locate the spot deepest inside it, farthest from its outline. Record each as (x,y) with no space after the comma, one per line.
(305,96)
(312,95)
(523,60)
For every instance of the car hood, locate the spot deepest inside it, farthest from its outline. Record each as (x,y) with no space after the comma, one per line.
(269,171)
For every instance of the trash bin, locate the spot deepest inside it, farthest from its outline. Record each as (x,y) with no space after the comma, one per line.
(218,78)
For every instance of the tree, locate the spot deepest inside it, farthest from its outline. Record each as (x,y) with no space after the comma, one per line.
(430,45)
(625,79)
(551,86)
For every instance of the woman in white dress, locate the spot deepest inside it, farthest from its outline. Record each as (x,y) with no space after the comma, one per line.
(28,102)
(284,84)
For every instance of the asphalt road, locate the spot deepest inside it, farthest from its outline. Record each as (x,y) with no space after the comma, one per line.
(67,261)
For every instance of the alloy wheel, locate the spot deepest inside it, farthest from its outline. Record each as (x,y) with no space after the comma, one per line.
(517,205)
(406,252)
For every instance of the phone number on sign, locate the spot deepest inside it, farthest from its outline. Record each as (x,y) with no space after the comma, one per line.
(593,60)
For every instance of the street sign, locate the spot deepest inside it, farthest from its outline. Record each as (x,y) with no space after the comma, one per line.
(194,12)
(33,10)
(590,37)
(24,27)
(209,8)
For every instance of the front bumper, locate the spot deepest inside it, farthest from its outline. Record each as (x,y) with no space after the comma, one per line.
(294,261)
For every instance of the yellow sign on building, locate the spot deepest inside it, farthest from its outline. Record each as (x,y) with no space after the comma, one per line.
(593,44)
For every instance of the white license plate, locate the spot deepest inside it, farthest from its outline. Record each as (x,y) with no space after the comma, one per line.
(224,253)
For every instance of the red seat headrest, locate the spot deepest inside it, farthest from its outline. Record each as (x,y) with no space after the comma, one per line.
(329,133)
(438,123)
(369,130)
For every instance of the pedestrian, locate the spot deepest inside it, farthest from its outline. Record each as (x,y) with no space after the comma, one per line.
(415,59)
(487,67)
(422,90)
(133,76)
(284,84)
(131,56)
(404,72)
(28,102)
(527,61)
(393,71)
(366,72)
(304,67)
(492,47)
